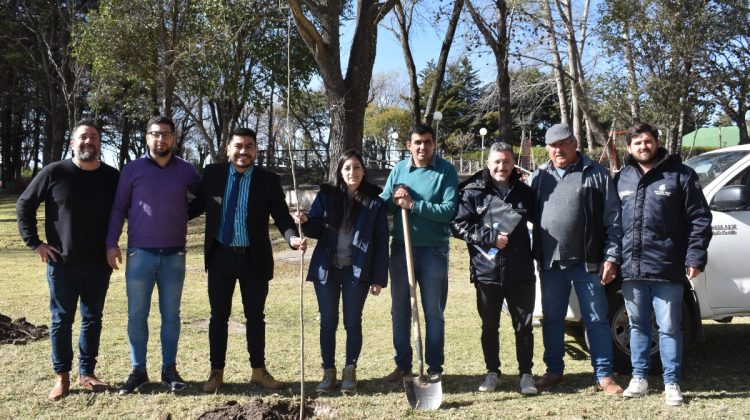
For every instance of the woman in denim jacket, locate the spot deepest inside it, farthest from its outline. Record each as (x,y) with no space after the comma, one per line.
(351,258)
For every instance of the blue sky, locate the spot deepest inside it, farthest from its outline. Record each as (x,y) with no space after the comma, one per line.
(426,40)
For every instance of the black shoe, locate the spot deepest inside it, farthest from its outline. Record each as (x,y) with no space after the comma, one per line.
(172,380)
(135,380)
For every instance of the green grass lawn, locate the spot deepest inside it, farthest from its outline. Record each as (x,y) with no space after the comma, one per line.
(715,376)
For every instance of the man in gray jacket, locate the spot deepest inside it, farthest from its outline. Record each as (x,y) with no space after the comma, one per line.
(576,242)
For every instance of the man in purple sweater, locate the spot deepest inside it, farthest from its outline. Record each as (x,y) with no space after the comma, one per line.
(153,195)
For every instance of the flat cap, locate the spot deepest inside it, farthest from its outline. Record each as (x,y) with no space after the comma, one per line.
(556,133)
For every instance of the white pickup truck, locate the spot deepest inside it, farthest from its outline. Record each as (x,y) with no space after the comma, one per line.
(722,291)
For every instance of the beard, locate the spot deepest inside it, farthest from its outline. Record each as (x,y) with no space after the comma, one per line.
(651,159)
(161,152)
(87,154)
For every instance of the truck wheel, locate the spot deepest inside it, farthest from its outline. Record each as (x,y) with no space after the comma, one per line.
(620,329)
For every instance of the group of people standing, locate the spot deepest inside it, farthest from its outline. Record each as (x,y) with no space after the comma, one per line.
(578,213)
(86,204)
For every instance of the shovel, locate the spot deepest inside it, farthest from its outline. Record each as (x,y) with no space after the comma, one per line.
(422,393)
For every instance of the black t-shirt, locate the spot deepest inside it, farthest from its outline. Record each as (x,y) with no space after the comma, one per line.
(77,206)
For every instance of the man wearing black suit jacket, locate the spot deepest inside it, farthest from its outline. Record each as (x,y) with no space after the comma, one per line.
(238,198)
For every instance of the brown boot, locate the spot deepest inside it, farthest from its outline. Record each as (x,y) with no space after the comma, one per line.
(609,386)
(92,383)
(215,380)
(396,376)
(328,383)
(61,388)
(261,377)
(349,380)
(549,380)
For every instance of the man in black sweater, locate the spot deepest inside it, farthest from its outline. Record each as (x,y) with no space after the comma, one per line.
(77,194)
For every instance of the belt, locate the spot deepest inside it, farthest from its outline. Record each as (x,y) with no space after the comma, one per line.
(233,249)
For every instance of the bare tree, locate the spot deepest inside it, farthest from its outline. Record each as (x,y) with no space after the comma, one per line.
(319,25)
(497,36)
(405,11)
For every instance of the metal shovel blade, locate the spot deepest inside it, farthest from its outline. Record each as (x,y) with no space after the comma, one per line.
(423,394)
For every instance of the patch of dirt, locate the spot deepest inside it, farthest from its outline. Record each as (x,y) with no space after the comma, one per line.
(20,331)
(258,410)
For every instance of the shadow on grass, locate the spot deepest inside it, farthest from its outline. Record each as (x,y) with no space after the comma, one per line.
(721,364)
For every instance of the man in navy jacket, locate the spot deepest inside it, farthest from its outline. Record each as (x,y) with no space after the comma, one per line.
(667,227)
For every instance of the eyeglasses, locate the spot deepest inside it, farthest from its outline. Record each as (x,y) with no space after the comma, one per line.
(165,134)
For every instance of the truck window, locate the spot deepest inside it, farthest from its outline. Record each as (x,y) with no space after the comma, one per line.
(708,166)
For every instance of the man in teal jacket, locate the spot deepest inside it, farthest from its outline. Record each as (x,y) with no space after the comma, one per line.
(426,186)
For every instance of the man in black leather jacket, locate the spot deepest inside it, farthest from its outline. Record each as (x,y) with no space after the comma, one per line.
(493,209)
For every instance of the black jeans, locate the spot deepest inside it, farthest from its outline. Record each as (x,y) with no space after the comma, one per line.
(225,268)
(520,298)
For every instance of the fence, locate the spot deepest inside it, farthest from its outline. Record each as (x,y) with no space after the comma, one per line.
(385,159)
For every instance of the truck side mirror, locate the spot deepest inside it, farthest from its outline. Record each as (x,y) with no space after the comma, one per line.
(732,198)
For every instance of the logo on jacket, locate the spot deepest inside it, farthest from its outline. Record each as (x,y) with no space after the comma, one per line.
(662,190)
(625,193)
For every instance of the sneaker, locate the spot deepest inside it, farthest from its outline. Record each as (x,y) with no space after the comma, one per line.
(260,376)
(638,387)
(349,380)
(396,375)
(328,383)
(672,394)
(172,380)
(434,377)
(490,382)
(135,380)
(215,380)
(528,387)
(548,380)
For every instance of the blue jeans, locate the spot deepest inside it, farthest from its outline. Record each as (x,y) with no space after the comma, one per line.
(666,300)
(431,271)
(556,286)
(67,284)
(340,282)
(145,268)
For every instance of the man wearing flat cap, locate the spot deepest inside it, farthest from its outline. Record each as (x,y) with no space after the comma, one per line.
(577,243)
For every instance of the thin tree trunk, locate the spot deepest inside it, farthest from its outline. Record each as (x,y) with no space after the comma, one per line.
(404,25)
(566,12)
(127,128)
(271,136)
(499,48)
(556,63)
(635,107)
(34,158)
(450,32)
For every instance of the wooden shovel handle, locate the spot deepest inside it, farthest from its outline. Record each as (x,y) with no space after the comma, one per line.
(412,290)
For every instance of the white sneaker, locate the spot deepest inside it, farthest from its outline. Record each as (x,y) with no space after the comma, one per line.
(527,385)
(490,382)
(672,394)
(638,388)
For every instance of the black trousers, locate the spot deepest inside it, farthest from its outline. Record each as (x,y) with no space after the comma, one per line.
(225,269)
(520,298)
